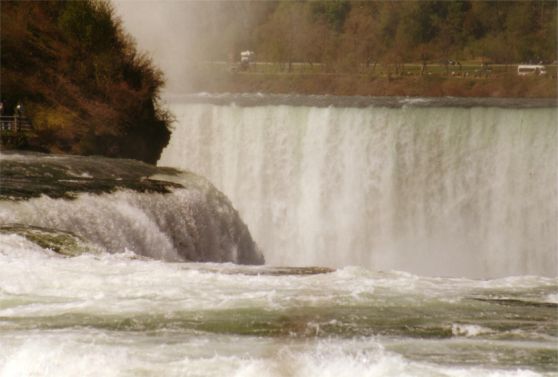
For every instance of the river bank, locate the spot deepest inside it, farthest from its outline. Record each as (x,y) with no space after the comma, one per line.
(503,86)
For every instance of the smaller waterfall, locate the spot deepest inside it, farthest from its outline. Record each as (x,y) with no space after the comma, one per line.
(189,220)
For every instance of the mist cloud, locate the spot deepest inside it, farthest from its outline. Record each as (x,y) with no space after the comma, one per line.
(179,35)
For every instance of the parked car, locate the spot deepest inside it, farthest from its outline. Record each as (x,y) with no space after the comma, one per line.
(531,69)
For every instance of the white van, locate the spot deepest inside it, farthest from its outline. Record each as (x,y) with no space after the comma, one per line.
(531,69)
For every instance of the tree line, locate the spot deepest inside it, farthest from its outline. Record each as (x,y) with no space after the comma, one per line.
(345,35)
(81,80)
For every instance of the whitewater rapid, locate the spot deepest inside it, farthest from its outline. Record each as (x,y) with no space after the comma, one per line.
(450,187)
(117,315)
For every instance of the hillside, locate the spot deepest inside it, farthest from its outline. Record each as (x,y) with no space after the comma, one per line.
(80,80)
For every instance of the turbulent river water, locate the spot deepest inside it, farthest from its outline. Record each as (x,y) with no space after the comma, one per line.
(437,220)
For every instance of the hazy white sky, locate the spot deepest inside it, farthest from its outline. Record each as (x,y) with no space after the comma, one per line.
(156,25)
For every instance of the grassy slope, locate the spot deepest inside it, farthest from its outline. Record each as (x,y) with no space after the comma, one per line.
(303,80)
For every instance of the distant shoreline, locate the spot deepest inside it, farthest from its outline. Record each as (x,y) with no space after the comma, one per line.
(509,86)
(312,100)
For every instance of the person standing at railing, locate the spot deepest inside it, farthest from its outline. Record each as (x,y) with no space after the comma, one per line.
(18,116)
(19,110)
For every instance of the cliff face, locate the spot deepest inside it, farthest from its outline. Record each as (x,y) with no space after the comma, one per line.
(80,80)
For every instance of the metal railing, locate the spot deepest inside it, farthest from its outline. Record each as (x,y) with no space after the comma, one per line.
(14,124)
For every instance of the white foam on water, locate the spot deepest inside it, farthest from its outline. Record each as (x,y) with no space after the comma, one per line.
(88,353)
(44,356)
(552,298)
(469,330)
(19,248)
(121,283)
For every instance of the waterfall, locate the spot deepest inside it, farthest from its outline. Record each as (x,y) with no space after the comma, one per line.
(111,203)
(438,190)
